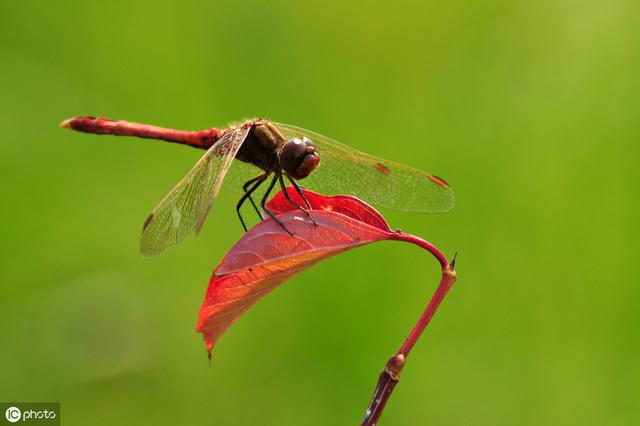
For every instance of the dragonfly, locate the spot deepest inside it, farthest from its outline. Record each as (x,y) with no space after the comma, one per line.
(276,152)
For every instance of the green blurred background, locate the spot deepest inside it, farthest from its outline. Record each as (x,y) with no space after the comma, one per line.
(528,109)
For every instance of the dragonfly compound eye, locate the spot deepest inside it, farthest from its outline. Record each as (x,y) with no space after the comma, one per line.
(298,157)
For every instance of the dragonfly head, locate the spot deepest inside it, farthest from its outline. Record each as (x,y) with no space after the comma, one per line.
(298,157)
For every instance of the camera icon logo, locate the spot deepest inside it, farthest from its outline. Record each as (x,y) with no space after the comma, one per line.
(13,414)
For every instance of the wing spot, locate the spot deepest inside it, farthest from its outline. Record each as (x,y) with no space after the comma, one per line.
(147,221)
(436,179)
(382,168)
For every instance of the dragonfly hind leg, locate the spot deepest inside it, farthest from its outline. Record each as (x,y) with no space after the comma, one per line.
(298,206)
(256,181)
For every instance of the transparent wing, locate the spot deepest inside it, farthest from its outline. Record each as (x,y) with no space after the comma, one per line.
(238,175)
(186,206)
(344,170)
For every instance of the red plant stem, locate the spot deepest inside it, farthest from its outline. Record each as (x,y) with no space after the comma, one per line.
(425,245)
(202,139)
(390,376)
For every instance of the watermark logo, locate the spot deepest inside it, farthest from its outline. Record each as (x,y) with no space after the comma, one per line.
(13,414)
(31,413)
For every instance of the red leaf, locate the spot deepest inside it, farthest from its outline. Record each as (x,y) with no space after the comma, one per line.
(267,255)
(344,204)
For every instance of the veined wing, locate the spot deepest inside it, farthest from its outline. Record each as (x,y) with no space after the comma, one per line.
(344,170)
(186,206)
(238,175)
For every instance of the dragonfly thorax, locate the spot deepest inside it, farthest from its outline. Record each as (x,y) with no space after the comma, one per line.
(266,148)
(260,147)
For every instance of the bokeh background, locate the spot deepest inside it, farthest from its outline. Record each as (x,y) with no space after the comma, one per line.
(529,109)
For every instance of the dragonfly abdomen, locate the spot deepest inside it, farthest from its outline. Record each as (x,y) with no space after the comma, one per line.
(202,139)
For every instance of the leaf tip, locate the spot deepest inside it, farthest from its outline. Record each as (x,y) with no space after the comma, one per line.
(209,345)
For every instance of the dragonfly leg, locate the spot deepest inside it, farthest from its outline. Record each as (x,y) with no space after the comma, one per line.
(299,191)
(246,185)
(269,212)
(257,181)
(298,206)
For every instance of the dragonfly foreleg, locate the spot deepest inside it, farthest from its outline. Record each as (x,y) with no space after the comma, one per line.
(298,206)
(299,191)
(257,181)
(269,212)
